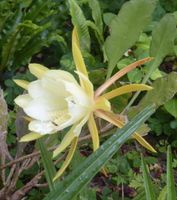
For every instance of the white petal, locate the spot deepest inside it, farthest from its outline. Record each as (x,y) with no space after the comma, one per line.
(80,97)
(36,90)
(54,87)
(45,109)
(37,70)
(23,100)
(42,127)
(59,75)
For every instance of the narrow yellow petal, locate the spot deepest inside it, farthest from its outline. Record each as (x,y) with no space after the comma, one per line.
(126,89)
(68,158)
(65,142)
(77,55)
(87,85)
(22,83)
(143,142)
(102,103)
(94,132)
(112,118)
(80,65)
(37,70)
(30,137)
(95,137)
(119,74)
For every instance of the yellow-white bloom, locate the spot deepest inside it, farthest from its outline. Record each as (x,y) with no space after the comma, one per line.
(56,101)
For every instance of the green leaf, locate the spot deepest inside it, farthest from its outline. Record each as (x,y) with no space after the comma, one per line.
(162,43)
(163,90)
(163,194)
(78,19)
(108,17)
(171,107)
(96,14)
(163,37)
(73,184)
(126,28)
(48,164)
(147,182)
(171,191)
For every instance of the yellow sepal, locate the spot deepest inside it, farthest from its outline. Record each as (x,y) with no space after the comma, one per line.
(30,137)
(94,132)
(77,55)
(111,117)
(65,142)
(126,89)
(102,103)
(80,65)
(37,70)
(22,83)
(143,142)
(119,74)
(68,158)
(95,137)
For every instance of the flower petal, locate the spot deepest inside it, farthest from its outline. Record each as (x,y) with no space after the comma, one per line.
(88,86)
(37,70)
(44,88)
(94,132)
(42,127)
(80,96)
(125,89)
(30,137)
(79,126)
(22,83)
(45,109)
(79,62)
(77,55)
(119,74)
(68,158)
(23,100)
(58,75)
(112,118)
(68,138)
(102,103)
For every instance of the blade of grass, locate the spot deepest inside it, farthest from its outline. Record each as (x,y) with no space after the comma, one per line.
(48,164)
(147,182)
(171,191)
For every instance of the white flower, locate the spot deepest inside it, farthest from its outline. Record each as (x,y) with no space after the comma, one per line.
(54,101)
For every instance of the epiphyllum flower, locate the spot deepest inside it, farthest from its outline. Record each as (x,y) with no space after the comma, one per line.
(56,101)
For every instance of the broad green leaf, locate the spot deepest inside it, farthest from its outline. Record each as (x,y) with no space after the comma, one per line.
(126,28)
(163,90)
(73,184)
(47,163)
(150,195)
(96,14)
(163,37)
(79,22)
(162,43)
(171,191)
(108,17)
(171,107)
